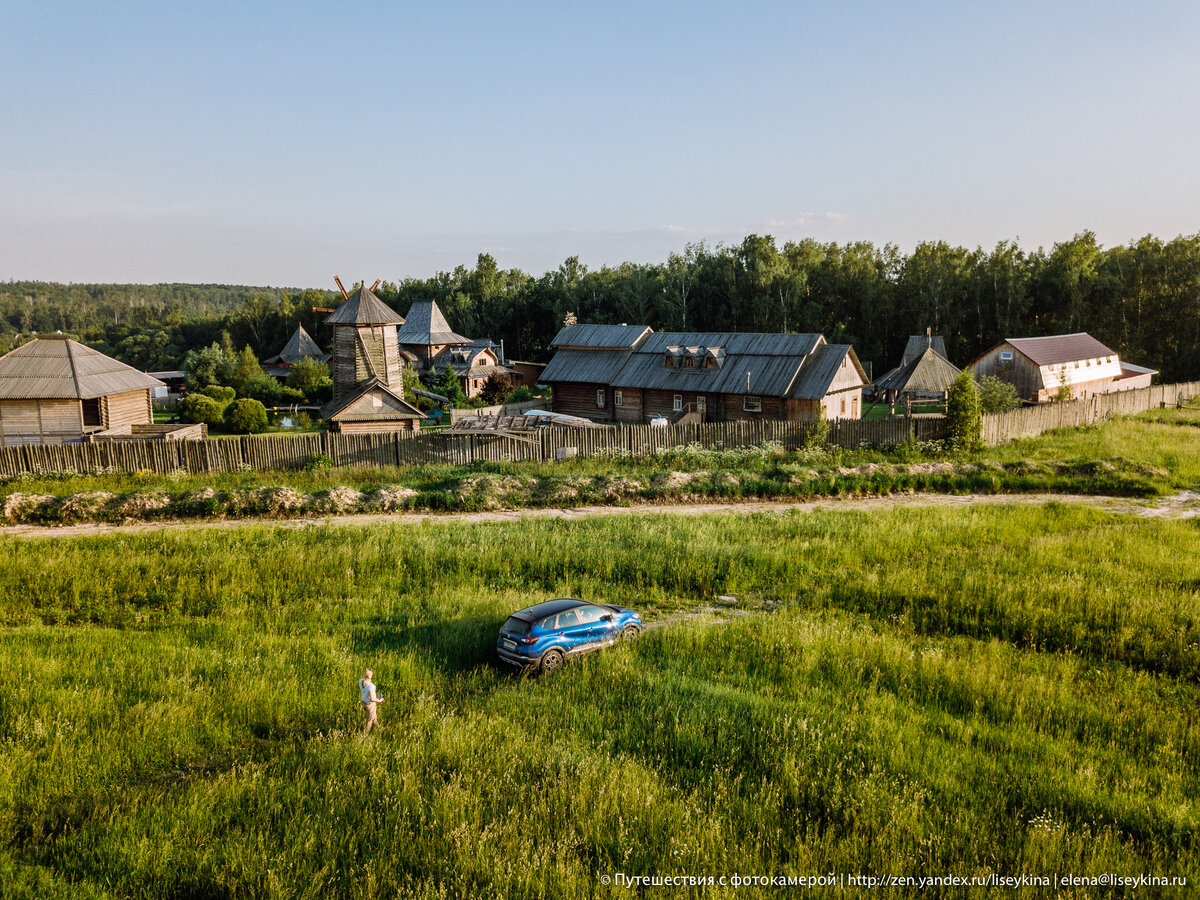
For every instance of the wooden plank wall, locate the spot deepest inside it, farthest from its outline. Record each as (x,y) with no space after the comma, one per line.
(406,448)
(1034,420)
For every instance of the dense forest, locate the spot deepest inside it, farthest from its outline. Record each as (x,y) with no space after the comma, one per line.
(1142,298)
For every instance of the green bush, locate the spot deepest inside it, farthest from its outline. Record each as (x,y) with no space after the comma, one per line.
(309,376)
(262,388)
(200,408)
(520,395)
(246,416)
(220,393)
(496,388)
(964,424)
(996,395)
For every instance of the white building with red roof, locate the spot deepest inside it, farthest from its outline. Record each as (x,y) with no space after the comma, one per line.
(1060,366)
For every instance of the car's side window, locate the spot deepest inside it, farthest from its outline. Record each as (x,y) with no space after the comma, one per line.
(590,614)
(567,619)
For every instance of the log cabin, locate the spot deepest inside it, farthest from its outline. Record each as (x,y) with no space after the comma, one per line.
(629,373)
(55,390)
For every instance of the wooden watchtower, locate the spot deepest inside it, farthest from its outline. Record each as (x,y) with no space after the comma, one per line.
(364,342)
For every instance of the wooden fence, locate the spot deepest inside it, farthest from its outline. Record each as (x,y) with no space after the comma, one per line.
(285,451)
(1034,420)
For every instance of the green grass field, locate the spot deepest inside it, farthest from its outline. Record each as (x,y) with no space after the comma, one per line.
(919,692)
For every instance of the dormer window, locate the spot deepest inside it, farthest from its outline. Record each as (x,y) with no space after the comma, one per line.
(689,362)
(713,357)
(710,362)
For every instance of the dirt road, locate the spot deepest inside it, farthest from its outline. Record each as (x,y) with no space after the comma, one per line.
(1183,505)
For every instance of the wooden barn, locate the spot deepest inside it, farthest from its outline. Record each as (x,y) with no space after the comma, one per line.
(625,373)
(368,384)
(54,390)
(1074,366)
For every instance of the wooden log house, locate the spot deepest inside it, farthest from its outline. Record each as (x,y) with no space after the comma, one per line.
(55,390)
(629,373)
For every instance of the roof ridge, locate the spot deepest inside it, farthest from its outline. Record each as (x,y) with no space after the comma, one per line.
(74,370)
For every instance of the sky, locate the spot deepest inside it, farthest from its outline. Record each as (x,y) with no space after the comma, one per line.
(283,143)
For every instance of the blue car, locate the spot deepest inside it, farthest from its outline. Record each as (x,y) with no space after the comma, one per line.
(543,637)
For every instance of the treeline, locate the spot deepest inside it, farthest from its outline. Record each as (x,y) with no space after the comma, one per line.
(1142,298)
(153,326)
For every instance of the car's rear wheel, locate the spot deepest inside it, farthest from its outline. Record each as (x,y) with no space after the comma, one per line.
(552,661)
(629,633)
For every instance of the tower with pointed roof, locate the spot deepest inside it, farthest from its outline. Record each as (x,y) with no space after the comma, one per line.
(426,333)
(364,343)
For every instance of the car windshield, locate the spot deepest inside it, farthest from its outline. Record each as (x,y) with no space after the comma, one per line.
(517,626)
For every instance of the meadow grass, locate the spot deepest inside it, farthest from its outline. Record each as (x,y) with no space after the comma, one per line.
(916,691)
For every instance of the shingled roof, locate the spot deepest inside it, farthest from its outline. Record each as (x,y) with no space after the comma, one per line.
(916,346)
(425,326)
(297,348)
(56,367)
(364,308)
(928,373)
(1057,349)
(333,408)
(599,337)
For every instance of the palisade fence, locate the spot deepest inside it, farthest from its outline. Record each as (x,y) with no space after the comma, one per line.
(1034,420)
(406,448)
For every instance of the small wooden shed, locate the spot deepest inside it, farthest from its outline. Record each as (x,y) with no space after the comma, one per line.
(54,390)
(372,407)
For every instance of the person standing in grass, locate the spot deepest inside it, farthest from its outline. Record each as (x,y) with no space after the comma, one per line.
(369,698)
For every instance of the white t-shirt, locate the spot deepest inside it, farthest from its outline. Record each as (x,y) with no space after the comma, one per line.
(367,690)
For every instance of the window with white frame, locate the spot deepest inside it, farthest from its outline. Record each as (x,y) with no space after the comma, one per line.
(600,397)
(616,398)
(677,403)
(1006,356)
(752,404)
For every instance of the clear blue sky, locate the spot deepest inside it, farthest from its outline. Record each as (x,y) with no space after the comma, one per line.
(283,143)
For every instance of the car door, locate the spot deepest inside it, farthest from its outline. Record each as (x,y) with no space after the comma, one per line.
(601,625)
(572,635)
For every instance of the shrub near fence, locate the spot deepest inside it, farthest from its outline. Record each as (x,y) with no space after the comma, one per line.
(405,448)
